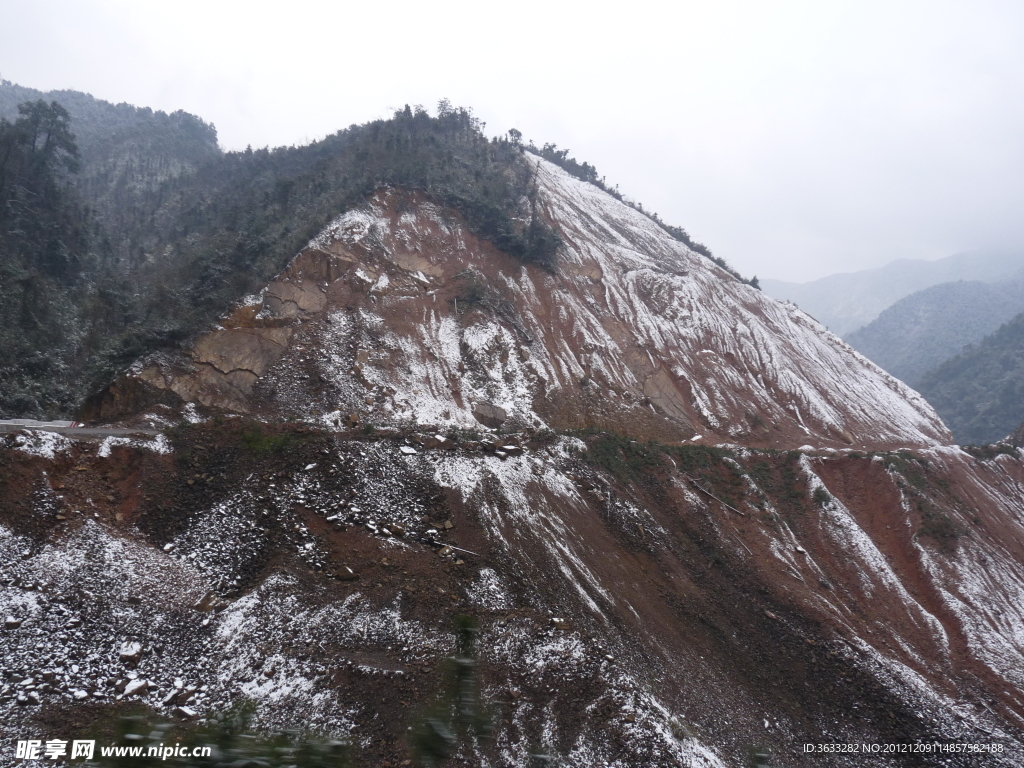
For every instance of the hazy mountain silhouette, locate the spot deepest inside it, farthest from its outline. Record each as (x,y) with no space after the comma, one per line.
(922,330)
(850,300)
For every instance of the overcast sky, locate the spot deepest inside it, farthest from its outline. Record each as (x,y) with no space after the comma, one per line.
(796,139)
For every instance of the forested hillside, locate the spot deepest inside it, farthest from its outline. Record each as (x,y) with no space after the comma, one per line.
(127,155)
(922,330)
(145,232)
(151,231)
(980,393)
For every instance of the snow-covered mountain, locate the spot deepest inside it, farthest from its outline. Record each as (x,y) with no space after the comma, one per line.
(691,524)
(635,332)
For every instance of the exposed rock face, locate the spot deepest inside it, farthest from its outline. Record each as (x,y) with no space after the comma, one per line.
(400,305)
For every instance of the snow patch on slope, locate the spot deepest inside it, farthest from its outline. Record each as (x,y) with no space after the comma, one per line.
(735,346)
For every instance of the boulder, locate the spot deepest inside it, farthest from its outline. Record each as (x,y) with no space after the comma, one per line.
(172,697)
(489,415)
(209,602)
(136,688)
(131,652)
(186,696)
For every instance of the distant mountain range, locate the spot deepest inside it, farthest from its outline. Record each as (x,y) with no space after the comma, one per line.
(926,328)
(919,319)
(848,301)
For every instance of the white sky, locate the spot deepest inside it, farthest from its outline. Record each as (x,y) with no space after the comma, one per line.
(795,139)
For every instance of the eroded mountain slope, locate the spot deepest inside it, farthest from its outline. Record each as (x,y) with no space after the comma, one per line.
(408,425)
(397,312)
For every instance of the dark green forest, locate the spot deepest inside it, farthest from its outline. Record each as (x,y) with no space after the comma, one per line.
(125,230)
(138,248)
(979,392)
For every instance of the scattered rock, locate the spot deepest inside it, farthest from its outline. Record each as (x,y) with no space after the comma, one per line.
(347,574)
(12,623)
(560,624)
(184,712)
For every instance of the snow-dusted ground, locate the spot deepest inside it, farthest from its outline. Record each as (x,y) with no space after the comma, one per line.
(632,329)
(738,349)
(551,528)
